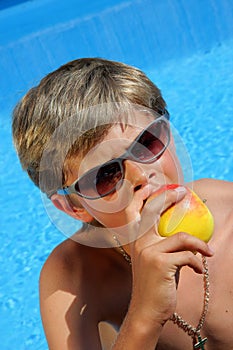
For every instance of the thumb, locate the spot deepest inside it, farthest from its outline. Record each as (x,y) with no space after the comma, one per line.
(154,207)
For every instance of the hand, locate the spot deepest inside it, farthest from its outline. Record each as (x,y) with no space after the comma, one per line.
(155,262)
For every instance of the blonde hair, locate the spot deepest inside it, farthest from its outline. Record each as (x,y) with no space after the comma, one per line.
(62,97)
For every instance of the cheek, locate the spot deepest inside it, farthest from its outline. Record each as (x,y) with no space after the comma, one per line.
(112,206)
(111,220)
(171,166)
(115,211)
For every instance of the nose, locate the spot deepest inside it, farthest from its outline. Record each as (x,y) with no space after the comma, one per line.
(136,174)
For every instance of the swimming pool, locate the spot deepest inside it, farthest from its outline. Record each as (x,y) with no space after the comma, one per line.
(196,81)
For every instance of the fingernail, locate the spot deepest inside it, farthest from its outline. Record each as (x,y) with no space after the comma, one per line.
(180,189)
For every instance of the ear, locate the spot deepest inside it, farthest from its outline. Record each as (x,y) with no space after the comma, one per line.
(79,213)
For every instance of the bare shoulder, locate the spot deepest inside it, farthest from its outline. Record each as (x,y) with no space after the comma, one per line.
(68,297)
(69,264)
(219,199)
(213,184)
(215,189)
(59,267)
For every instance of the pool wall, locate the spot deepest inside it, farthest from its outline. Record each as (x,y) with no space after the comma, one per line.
(38,36)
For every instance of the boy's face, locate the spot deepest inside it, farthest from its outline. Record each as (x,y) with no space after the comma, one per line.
(124,205)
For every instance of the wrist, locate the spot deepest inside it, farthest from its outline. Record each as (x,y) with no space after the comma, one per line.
(152,317)
(138,332)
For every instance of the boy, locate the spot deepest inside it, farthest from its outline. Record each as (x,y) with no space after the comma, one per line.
(94,136)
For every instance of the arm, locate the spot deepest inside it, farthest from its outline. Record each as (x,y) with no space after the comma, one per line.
(135,334)
(67,322)
(155,264)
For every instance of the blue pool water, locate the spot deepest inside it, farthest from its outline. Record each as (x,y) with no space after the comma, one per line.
(199,92)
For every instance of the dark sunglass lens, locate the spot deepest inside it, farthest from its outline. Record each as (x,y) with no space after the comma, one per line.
(100,180)
(151,142)
(107,178)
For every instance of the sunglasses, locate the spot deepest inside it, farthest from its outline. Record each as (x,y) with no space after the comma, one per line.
(104,179)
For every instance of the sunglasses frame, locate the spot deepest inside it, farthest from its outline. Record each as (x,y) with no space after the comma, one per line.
(164,116)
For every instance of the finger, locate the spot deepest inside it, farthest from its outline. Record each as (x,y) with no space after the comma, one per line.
(152,211)
(183,241)
(186,258)
(172,196)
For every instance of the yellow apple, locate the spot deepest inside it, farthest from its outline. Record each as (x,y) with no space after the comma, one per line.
(190,215)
